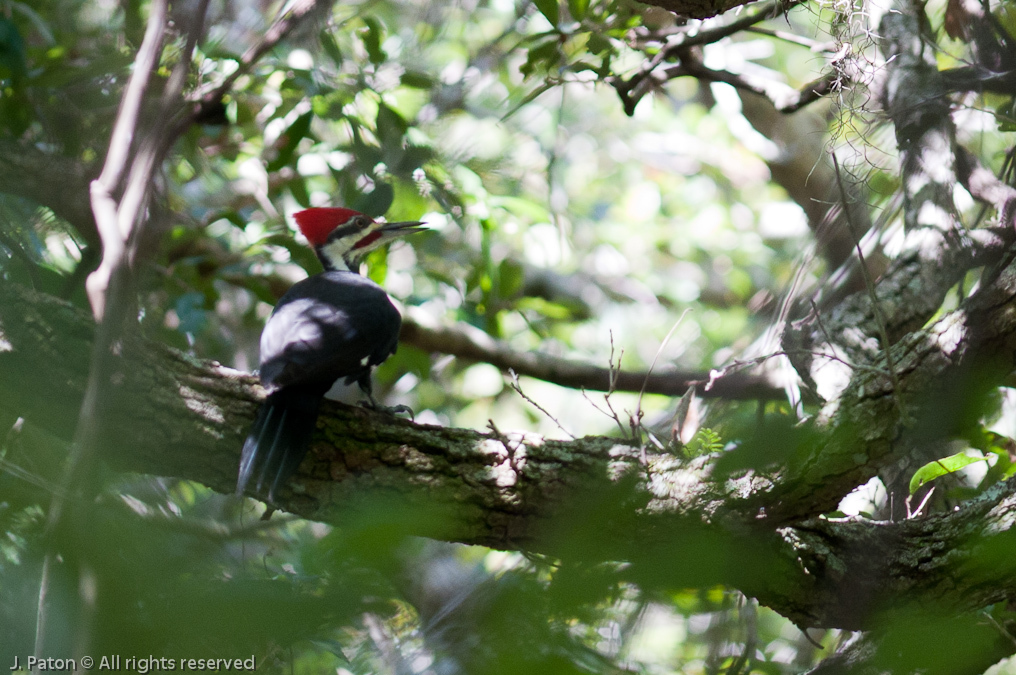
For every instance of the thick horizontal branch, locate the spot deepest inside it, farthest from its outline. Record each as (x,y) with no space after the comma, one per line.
(594,497)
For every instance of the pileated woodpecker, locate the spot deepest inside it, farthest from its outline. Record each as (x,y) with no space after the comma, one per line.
(337,324)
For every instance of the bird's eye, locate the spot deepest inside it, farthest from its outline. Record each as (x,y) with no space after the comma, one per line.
(361,221)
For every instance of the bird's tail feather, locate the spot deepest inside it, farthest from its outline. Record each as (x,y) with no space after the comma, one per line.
(278,440)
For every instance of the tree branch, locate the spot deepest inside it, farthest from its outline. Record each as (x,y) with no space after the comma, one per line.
(937,253)
(472,344)
(175,415)
(110,289)
(683,49)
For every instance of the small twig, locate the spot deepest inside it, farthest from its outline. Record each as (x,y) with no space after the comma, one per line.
(738,364)
(999,627)
(518,389)
(659,351)
(821,325)
(470,343)
(810,639)
(600,410)
(800,40)
(924,502)
(635,421)
(508,447)
(744,662)
(869,283)
(35,479)
(613,374)
(784,98)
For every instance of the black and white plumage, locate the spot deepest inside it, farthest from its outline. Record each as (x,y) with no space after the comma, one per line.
(331,326)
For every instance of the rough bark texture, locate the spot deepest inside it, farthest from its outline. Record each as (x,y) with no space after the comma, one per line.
(897,390)
(178,416)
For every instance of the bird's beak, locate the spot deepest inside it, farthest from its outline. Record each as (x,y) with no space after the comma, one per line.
(391,231)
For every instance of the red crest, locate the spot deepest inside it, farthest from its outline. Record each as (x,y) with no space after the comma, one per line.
(317,224)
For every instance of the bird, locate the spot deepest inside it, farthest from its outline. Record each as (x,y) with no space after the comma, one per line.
(334,325)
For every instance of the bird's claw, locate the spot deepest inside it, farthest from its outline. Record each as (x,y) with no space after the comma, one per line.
(390,409)
(401,409)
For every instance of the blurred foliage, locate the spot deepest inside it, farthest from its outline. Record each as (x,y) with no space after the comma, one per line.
(557,223)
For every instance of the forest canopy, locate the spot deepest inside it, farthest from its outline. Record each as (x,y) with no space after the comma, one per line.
(709,341)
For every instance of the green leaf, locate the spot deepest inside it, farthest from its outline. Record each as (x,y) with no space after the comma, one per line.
(413,158)
(298,188)
(372,39)
(530,97)
(390,126)
(296,132)
(544,54)
(941,467)
(232,215)
(299,253)
(12,50)
(578,9)
(705,442)
(551,310)
(1005,116)
(511,277)
(598,44)
(376,202)
(331,48)
(550,9)
(519,206)
(417,79)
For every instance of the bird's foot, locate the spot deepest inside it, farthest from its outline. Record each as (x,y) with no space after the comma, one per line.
(390,409)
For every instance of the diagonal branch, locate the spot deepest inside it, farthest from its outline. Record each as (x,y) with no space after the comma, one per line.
(108,218)
(130,163)
(472,344)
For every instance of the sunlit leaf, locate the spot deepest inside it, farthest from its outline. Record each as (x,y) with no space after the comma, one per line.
(941,467)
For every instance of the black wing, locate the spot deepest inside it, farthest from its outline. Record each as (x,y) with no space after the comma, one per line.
(329,326)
